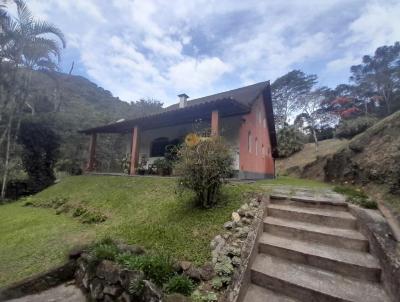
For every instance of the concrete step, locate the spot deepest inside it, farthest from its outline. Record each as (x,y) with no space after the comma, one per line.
(307,283)
(350,239)
(350,263)
(303,201)
(326,217)
(260,294)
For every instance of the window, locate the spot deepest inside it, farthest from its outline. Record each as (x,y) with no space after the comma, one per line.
(158,147)
(265,123)
(259,117)
(249,142)
(256,147)
(262,150)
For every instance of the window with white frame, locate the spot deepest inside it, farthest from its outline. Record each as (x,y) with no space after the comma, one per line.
(256,146)
(249,142)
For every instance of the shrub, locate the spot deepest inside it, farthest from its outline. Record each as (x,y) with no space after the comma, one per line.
(40,149)
(351,127)
(163,166)
(179,284)
(356,196)
(203,165)
(290,141)
(106,249)
(157,268)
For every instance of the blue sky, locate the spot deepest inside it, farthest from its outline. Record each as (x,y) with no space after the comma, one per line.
(158,49)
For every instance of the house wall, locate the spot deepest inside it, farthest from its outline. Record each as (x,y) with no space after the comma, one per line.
(228,128)
(256,161)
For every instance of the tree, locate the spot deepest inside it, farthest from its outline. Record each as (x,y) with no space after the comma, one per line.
(26,44)
(312,111)
(379,75)
(287,91)
(40,151)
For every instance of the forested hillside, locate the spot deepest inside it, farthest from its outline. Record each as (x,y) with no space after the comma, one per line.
(75,103)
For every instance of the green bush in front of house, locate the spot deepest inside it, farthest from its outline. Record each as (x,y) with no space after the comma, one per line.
(203,165)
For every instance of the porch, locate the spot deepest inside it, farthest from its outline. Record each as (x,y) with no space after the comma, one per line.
(150,135)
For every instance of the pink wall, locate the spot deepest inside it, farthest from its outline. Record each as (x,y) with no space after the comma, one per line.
(258,161)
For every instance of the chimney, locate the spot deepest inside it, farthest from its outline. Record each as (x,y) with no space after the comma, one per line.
(182,100)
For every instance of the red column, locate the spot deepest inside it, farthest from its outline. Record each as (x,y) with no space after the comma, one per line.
(215,123)
(91,165)
(134,150)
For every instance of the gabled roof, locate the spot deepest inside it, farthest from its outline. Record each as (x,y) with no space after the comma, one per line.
(244,95)
(233,102)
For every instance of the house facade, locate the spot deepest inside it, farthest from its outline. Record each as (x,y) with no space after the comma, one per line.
(243,117)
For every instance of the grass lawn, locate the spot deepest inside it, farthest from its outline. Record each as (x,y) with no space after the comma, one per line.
(140,210)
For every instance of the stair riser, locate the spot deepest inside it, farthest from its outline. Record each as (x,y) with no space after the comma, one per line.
(364,273)
(291,290)
(307,204)
(332,240)
(329,221)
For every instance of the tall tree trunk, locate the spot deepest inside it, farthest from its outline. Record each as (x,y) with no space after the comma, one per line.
(7,159)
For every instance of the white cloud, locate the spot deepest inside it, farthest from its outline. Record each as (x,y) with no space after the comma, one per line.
(158,48)
(197,75)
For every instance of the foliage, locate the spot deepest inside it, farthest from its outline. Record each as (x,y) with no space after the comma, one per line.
(356,196)
(207,296)
(40,151)
(352,127)
(163,166)
(379,75)
(179,284)
(203,165)
(156,267)
(287,91)
(290,141)
(105,249)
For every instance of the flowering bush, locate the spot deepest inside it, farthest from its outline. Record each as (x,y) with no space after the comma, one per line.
(203,165)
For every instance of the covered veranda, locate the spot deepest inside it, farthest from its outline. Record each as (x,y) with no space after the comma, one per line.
(209,113)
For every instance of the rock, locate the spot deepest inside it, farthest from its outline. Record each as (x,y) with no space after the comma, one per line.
(108,271)
(177,267)
(96,289)
(242,232)
(235,217)
(250,214)
(76,252)
(207,272)
(246,220)
(229,225)
(125,297)
(176,298)
(185,265)
(151,293)
(85,280)
(193,273)
(243,209)
(217,243)
(129,278)
(226,236)
(236,261)
(108,298)
(132,249)
(111,290)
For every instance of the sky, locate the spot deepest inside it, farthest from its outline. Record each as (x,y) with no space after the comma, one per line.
(161,48)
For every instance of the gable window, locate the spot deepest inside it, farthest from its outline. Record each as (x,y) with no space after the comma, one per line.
(157,148)
(249,142)
(256,147)
(265,123)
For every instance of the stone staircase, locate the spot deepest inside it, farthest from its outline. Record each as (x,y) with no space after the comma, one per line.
(311,250)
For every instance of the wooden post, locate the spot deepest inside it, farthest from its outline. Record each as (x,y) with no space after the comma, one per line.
(91,165)
(215,123)
(134,150)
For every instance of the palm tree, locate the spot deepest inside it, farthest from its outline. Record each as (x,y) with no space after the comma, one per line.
(27,44)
